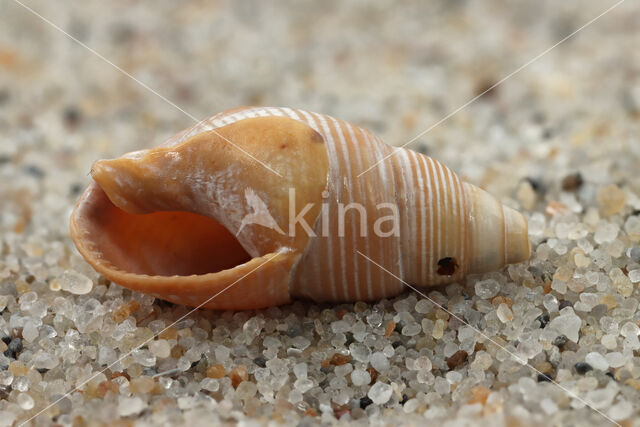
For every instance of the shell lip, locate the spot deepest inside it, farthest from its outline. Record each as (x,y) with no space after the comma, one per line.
(97,242)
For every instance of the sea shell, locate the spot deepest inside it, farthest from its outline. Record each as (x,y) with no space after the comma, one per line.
(257,206)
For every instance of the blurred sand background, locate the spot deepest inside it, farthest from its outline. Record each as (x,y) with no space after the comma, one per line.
(397,68)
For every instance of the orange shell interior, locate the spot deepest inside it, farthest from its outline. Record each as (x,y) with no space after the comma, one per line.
(177,256)
(162,243)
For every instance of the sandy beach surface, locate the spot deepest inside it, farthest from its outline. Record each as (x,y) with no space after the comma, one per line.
(549,124)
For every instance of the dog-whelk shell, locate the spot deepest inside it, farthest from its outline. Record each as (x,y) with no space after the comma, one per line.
(257,206)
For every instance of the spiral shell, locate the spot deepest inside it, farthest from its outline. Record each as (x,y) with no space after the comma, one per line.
(257,206)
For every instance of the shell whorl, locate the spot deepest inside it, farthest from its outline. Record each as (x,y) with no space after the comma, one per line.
(446,228)
(430,207)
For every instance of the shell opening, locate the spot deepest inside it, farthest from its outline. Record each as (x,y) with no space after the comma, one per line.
(159,243)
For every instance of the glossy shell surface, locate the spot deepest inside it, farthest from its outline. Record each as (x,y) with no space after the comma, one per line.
(257,206)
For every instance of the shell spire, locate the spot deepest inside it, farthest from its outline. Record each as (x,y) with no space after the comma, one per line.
(498,233)
(204,220)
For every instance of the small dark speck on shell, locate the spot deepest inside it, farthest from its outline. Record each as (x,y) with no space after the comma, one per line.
(447,266)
